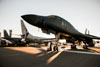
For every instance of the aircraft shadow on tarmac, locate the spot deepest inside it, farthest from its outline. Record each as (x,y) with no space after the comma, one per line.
(14,58)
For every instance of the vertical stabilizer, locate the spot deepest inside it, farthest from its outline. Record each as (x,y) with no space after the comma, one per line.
(86,31)
(24,30)
(10,33)
(6,34)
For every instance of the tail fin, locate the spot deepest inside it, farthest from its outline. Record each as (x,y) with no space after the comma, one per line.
(6,34)
(24,30)
(87,31)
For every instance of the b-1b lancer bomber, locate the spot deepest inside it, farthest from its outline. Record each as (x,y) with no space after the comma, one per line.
(61,28)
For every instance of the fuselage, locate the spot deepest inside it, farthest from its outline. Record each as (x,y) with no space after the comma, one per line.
(54,23)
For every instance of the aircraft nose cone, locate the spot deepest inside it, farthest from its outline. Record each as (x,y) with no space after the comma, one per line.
(31,19)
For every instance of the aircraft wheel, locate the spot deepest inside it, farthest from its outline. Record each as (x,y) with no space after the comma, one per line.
(85,46)
(73,46)
(55,48)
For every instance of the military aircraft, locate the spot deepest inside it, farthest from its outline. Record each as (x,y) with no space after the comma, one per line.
(4,42)
(29,38)
(26,38)
(14,40)
(61,28)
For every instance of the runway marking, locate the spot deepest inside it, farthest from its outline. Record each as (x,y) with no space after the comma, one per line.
(83,52)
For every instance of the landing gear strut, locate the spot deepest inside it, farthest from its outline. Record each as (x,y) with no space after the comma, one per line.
(49,46)
(85,46)
(57,39)
(55,48)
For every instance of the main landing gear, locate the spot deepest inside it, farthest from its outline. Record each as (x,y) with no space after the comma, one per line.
(85,46)
(55,48)
(73,46)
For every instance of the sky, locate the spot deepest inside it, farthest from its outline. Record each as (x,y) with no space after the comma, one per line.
(81,14)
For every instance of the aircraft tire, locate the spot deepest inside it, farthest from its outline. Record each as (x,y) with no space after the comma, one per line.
(85,46)
(73,46)
(55,48)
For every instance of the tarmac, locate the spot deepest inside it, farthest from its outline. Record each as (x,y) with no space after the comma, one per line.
(39,57)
